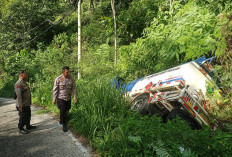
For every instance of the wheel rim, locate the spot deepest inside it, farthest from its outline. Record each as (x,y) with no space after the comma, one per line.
(138,104)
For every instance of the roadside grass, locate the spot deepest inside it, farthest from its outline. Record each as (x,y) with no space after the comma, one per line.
(43,111)
(48,110)
(42,96)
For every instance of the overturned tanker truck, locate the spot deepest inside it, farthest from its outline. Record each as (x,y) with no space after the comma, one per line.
(179,91)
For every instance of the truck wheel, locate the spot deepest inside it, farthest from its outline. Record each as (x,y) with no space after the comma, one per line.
(140,104)
(183,115)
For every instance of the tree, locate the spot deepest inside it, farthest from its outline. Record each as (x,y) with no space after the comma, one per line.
(79,37)
(19,18)
(115,32)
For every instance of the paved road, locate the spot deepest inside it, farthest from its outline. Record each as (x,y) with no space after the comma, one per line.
(45,141)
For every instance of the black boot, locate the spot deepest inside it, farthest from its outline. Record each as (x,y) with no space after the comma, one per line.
(30,127)
(65,128)
(23,131)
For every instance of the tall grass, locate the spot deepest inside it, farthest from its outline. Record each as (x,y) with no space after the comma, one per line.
(100,110)
(42,95)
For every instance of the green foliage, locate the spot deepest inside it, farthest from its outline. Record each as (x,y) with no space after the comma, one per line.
(221,99)
(138,16)
(220,106)
(6,86)
(160,36)
(93,61)
(217,6)
(188,34)
(160,150)
(20,16)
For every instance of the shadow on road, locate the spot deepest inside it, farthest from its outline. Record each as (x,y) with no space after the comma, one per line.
(39,142)
(4,101)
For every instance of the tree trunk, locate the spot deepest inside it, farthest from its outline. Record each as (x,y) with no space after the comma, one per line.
(115,32)
(79,39)
(91,5)
(170,3)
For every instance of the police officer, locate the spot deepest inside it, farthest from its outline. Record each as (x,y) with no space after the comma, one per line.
(23,102)
(64,86)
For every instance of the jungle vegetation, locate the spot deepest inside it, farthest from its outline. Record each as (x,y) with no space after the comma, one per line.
(152,35)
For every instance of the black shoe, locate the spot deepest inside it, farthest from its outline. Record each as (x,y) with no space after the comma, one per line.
(23,131)
(65,129)
(30,127)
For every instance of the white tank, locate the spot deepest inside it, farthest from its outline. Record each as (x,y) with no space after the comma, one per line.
(195,74)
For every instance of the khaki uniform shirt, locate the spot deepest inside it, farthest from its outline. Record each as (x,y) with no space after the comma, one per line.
(23,93)
(63,88)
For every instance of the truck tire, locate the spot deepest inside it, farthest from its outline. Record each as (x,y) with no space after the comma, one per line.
(184,116)
(140,104)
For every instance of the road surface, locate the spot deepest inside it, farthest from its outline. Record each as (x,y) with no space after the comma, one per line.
(47,140)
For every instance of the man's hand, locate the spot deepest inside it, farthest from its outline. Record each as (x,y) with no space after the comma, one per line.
(75,100)
(20,108)
(54,102)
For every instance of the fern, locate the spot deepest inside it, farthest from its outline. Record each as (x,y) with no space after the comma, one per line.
(159,149)
(188,153)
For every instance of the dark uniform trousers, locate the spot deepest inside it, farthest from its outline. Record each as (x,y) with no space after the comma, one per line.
(24,117)
(64,107)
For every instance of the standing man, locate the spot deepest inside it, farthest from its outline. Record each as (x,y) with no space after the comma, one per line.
(64,86)
(23,102)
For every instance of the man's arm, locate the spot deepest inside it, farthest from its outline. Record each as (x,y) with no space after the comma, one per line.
(55,90)
(18,91)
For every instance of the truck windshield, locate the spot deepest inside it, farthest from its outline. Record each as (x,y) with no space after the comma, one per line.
(206,65)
